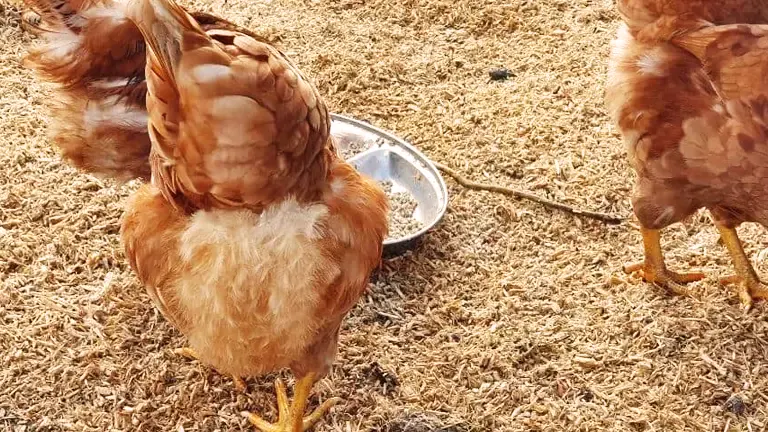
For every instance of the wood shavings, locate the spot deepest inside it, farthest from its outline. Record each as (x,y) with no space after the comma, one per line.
(427,318)
(527,195)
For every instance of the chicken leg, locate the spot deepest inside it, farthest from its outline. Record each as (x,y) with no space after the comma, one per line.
(190,353)
(291,417)
(748,285)
(655,271)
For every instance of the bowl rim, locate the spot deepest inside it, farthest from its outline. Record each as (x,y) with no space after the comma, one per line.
(424,159)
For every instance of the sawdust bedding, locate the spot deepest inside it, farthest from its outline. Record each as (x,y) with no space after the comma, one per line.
(510,316)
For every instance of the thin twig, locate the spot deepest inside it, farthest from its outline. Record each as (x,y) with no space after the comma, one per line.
(604,217)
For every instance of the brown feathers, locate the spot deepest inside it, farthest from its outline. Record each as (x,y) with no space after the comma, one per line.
(691,109)
(253,129)
(645,17)
(105,136)
(734,56)
(254,238)
(96,57)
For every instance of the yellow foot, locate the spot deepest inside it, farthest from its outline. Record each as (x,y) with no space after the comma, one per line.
(239,384)
(291,417)
(187,352)
(653,269)
(668,279)
(748,285)
(30,22)
(748,289)
(191,354)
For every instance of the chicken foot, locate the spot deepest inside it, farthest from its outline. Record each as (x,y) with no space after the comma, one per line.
(190,353)
(748,284)
(30,21)
(28,16)
(291,417)
(655,271)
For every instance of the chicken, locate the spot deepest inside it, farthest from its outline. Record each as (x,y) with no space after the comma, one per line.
(95,56)
(691,109)
(646,17)
(254,238)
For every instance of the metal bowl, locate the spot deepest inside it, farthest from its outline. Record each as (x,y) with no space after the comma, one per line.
(385,157)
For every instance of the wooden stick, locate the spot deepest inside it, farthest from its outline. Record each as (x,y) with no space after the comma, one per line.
(604,217)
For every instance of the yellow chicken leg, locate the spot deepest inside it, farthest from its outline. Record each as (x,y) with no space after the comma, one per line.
(190,353)
(748,285)
(655,271)
(291,417)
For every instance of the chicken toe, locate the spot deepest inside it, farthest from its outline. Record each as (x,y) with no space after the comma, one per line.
(748,289)
(186,352)
(747,282)
(291,417)
(30,22)
(655,271)
(239,384)
(673,281)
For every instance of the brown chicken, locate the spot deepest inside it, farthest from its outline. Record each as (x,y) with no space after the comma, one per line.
(254,238)
(96,56)
(690,101)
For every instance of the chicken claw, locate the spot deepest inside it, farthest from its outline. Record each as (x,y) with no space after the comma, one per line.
(748,285)
(291,417)
(191,354)
(30,22)
(186,352)
(655,271)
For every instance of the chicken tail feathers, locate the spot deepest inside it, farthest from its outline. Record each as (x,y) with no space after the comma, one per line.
(85,41)
(96,56)
(59,13)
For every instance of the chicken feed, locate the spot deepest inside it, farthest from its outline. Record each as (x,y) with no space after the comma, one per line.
(402,221)
(354,147)
(401,213)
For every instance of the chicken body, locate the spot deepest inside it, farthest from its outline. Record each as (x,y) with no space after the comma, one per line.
(693,141)
(254,238)
(257,292)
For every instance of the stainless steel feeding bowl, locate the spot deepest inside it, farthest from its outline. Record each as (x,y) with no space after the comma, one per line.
(385,157)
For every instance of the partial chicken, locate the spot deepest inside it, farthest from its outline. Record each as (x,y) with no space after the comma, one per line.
(692,116)
(254,238)
(644,18)
(95,57)
(96,61)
